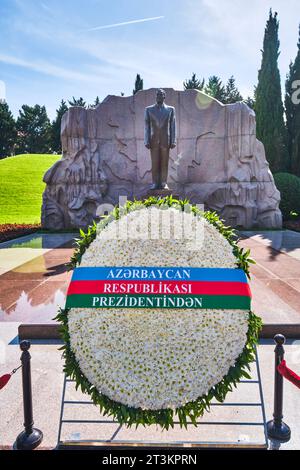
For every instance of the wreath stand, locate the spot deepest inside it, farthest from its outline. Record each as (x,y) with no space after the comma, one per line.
(236,424)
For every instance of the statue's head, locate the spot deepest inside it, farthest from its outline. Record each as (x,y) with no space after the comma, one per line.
(160,96)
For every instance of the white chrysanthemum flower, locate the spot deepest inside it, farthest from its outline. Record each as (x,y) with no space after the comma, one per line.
(156,359)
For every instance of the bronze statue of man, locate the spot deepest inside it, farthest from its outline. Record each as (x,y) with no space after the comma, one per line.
(160,137)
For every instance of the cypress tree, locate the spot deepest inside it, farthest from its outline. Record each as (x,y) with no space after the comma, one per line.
(271,128)
(193,83)
(292,108)
(139,84)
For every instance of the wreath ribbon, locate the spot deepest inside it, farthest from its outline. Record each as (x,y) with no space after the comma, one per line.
(152,287)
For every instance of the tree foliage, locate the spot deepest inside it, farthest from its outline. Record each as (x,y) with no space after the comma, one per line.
(77,102)
(232,94)
(34,130)
(250,102)
(56,127)
(8,131)
(269,107)
(139,84)
(289,187)
(292,108)
(194,83)
(216,89)
(97,101)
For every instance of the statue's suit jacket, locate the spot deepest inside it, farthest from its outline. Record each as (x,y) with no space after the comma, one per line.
(160,126)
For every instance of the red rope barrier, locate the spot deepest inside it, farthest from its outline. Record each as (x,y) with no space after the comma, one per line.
(6,377)
(288,374)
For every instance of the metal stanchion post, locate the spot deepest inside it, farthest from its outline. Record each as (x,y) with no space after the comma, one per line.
(31,437)
(276,428)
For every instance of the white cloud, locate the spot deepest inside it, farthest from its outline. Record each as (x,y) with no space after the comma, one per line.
(238,28)
(111,59)
(203,36)
(47,68)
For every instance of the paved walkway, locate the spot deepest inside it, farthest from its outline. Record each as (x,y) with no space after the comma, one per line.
(33,280)
(47,382)
(33,276)
(275,277)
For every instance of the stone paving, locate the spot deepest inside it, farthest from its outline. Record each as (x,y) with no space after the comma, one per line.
(33,281)
(47,382)
(275,278)
(33,276)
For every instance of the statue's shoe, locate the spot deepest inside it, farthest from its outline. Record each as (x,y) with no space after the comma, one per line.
(154,186)
(165,186)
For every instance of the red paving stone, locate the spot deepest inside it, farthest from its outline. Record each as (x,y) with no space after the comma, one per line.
(286,292)
(295,283)
(44,292)
(277,273)
(260,273)
(40,279)
(42,267)
(10,291)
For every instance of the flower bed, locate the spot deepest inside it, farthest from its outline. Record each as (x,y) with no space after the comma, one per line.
(152,366)
(11,231)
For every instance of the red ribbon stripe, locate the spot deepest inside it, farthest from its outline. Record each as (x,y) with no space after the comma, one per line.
(194,288)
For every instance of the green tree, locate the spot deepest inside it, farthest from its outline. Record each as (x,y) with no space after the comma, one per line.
(232,94)
(250,102)
(292,109)
(8,131)
(77,102)
(271,128)
(139,84)
(34,130)
(194,83)
(56,127)
(216,89)
(97,101)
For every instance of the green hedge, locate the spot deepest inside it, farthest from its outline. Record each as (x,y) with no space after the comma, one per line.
(289,187)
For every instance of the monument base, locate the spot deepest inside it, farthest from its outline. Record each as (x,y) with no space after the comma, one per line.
(161,193)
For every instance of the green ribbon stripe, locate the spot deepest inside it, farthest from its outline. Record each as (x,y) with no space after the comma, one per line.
(159,301)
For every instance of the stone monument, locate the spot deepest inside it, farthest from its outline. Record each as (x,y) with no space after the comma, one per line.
(217,161)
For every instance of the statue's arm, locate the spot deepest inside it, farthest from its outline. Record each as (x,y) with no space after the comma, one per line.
(147,129)
(173,129)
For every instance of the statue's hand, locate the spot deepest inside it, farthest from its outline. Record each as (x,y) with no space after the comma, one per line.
(172,146)
(147,146)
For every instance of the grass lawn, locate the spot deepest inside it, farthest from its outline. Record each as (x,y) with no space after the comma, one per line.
(21,187)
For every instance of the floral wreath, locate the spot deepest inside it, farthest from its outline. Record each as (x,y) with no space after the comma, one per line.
(165,416)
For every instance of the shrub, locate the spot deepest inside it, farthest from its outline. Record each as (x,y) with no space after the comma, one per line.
(289,187)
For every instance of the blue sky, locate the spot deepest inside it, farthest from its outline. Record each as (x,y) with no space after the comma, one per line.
(54,49)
